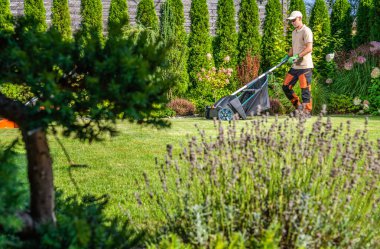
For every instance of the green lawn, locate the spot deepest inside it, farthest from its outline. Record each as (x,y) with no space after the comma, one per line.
(114,165)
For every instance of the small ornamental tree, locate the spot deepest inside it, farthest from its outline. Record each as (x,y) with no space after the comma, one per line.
(82,89)
(118,17)
(249,36)
(35,9)
(5,16)
(146,14)
(199,40)
(341,23)
(295,5)
(91,27)
(273,43)
(363,26)
(375,21)
(225,41)
(61,17)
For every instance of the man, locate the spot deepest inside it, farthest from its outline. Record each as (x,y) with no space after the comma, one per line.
(299,56)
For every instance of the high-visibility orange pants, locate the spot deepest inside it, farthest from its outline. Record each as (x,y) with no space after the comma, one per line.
(304,77)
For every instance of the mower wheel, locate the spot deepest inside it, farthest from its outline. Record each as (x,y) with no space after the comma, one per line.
(225,114)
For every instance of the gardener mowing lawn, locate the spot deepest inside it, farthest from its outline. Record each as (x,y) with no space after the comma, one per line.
(299,56)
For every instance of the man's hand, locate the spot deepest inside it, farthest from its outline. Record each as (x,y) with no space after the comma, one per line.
(293,58)
(285,58)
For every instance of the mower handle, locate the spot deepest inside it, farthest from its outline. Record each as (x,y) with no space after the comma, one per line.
(261,76)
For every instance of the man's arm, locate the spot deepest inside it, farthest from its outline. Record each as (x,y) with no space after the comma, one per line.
(308,49)
(290,53)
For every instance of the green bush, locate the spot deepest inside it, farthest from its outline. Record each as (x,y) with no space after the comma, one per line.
(341,22)
(146,14)
(61,18)
(13,196)
(374,96)
(5,16)
(254,182)
(249,39)
(273,42)
(225,40)
(341,104)
(200,40)
(118,18)
(21,93)
(34,9)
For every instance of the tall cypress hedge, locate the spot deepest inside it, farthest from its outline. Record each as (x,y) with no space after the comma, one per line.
(249,37)
(363,26)
(118,17)
(226,38)
(320,25)
(172,30)
(91,27)
(146,14)
(35,9)
(341,22)
(200,39)
(61,17)
(273,42)
(375,21)
(5,15)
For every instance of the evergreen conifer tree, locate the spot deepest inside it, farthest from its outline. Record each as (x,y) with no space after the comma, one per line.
(35,9)
(225,41)
(249,36)
(172,32)
(273,42)
(91,27)
(199,40)
(375,21)
(118,17)
(363,26)
(5,16)
(341,23)
(320,25)
(61,17)
(146,14)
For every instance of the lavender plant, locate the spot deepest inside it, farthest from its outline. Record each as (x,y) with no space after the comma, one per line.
(274,183)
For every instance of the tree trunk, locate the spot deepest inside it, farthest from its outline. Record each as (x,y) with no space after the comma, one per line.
(40,171)
(40,174)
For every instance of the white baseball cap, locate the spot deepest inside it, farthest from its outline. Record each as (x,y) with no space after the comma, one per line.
(294,15)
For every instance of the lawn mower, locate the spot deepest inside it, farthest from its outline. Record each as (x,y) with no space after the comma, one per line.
(248,100)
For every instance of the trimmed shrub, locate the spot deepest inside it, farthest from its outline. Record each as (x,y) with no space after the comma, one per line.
(146,14)
(341,23)
(273,43)
(5,16)
(375,21)
(363,26)
(199,40)
(91,27)
(249,38)
(34,9)
(341,104)
(61,18)
(118,18)
(225,41)
(182,107)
